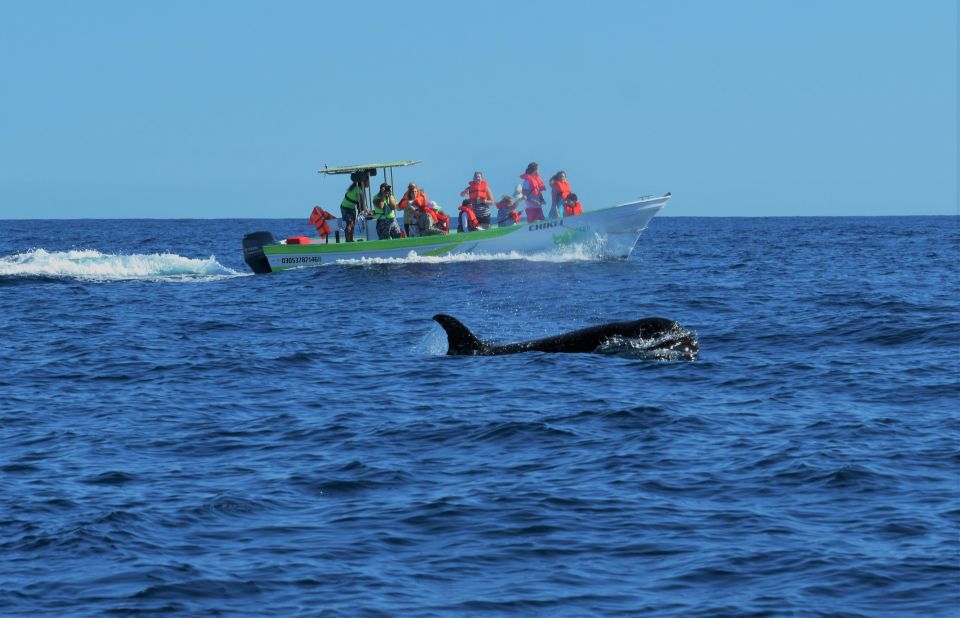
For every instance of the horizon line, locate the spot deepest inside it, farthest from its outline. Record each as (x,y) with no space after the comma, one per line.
(833,216)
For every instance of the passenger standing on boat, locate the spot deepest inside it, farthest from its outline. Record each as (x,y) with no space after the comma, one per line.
(481,199)
(533,189)
(385,209)
(412,204)
(572,206)
(559,190)
(352,200)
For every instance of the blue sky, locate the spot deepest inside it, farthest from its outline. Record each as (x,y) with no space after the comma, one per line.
(229,108)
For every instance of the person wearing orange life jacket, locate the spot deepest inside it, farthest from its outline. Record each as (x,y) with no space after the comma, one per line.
(467,220)
(572,206)
(533,189)
(433,221)
(412,204)
(506,212)
(559,190)
(481,199)
(443,221)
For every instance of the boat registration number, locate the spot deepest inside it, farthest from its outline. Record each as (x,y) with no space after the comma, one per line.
(301,259)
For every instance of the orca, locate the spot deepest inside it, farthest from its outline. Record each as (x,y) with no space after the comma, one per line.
(663,335)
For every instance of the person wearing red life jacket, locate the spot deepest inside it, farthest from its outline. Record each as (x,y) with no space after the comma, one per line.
(572,206)
(506,211)
(433,221)
(533,189)
(481,198)
(559,190)
(412,203)
(443,221)
(467,219)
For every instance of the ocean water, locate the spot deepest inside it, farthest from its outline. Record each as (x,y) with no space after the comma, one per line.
(180,437)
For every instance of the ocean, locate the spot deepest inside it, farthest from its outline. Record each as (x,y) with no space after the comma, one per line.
(178,436)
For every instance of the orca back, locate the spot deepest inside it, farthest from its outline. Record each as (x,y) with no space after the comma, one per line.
(460,340)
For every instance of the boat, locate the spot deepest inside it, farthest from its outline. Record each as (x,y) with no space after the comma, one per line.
(610,233)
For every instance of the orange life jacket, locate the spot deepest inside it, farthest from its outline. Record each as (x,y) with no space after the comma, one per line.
(478,190)
(472,222)
(418,203)
(319,218)
(441,220)
(508,203)
(572,209)
(561,189)
(536,184)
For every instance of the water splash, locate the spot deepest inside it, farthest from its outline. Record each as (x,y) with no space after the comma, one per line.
(90,264)
(433,343)
(573,253)
(672,345)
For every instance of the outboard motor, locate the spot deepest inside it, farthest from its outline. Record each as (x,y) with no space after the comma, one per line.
(253,251)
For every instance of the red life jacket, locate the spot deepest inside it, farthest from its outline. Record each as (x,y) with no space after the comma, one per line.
(572,209)
(513,213)
(472,222)
(478,190)
(536,184)
(319,218)
(418,203)
(441,220)
(561,188)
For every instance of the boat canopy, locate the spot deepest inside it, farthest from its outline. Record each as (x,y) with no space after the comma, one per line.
(366,171)
(349,169)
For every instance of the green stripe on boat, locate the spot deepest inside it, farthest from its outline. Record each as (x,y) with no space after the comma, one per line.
(447,243)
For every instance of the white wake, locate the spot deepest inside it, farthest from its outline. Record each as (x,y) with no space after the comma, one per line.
(574,253)
(93,265)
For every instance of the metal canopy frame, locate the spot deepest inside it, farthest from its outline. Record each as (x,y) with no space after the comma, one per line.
(371,170)
(349,169)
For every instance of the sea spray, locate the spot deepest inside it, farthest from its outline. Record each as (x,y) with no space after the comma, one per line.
(90,264)
(574,253)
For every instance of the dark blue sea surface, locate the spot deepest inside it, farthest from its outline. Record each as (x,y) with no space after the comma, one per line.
(178,436)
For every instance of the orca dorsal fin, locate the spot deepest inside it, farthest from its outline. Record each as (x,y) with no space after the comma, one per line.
(460,341)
